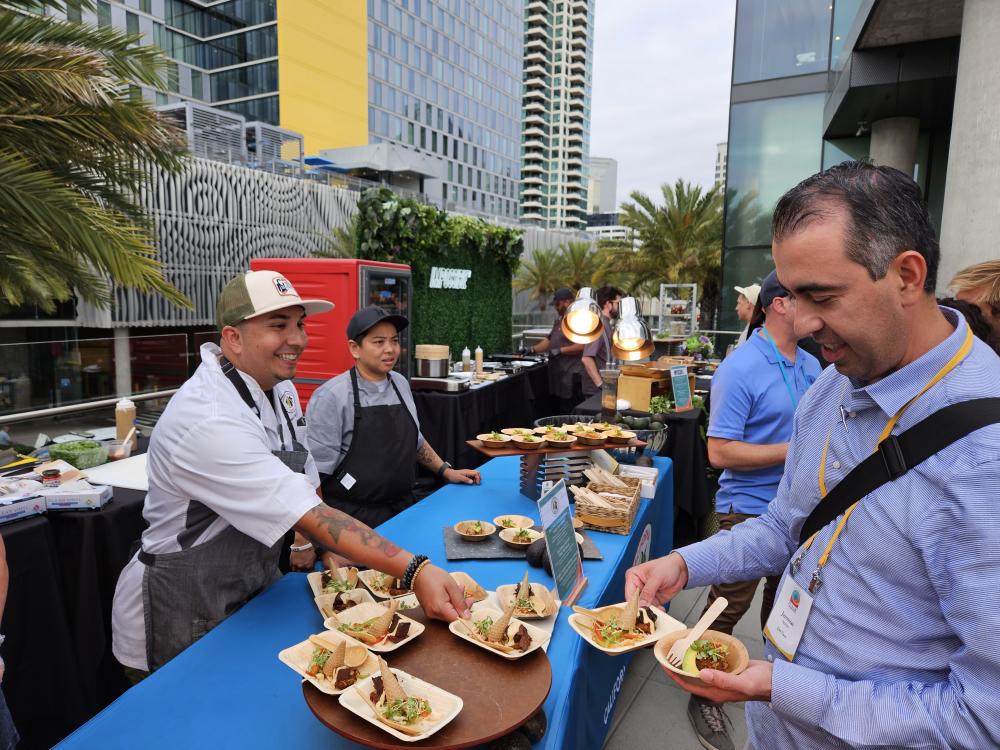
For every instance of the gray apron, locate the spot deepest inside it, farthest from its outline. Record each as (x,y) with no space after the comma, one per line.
(187,593)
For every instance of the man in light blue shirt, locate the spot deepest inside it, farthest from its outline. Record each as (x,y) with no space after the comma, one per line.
(754,395)
(901,647)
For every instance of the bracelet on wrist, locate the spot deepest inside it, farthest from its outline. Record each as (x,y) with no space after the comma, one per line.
(411,570)
(413,581)
(301,547)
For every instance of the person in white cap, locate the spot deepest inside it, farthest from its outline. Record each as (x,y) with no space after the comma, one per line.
(744,307)
(229,474)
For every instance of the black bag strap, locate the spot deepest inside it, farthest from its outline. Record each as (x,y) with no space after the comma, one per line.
(897,454)
(229,370)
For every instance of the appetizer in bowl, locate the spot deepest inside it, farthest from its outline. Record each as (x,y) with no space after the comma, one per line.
(714,650)
(590,438)
(402,705)
(494,439)
(515,431)
(625,627)
(500,632)
(474,531)
(379,627)
(531,600)
(330,661)
(519,538)
(617,435)
(560,439)
(513,522)
(528,442)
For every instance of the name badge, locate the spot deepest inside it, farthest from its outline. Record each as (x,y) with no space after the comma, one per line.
(787,621)
(348,481)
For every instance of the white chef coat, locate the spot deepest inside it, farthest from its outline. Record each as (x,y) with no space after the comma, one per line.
(210,466)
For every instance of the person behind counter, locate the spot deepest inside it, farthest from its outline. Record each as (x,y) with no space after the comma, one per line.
(596,354)
(565,367)
(365,435)
(229,474)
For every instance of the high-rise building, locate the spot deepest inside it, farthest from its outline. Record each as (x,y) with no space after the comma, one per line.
(908,84)
(555,138)
(720,163)
(602,185)
(439,77)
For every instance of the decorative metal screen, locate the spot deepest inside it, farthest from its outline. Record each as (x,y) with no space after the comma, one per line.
(212,218)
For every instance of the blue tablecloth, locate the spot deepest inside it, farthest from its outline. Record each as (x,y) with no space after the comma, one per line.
(230,690)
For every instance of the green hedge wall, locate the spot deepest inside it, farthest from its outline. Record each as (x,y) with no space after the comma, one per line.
(404,231)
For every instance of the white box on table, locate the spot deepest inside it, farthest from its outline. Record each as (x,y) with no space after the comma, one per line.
(647,474)
(76,499)
(22,506)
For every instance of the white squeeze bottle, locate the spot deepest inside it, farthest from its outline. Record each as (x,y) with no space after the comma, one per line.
(466,363)
(479,360)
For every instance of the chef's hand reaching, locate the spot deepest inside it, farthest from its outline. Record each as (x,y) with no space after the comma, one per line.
(439,595)
(462,476)
(660,580)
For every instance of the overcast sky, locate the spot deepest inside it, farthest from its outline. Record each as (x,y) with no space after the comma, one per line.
(661,89)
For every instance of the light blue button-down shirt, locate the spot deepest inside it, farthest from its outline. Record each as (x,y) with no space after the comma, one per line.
(902,646)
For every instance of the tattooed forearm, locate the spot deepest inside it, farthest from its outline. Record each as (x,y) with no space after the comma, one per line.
(328,525)
(427,457)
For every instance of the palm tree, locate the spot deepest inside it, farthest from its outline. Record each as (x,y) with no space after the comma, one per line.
(540,275)
(75,151)
(681,239)
(579,264)
(342,243)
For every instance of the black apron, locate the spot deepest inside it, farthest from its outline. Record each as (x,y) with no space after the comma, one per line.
(374,481)
(187,593)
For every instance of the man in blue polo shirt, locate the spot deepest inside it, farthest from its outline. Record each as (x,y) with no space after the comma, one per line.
(754,395)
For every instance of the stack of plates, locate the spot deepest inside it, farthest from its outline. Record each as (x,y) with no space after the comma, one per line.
(433,351)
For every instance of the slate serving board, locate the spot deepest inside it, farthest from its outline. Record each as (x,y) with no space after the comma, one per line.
(494,548)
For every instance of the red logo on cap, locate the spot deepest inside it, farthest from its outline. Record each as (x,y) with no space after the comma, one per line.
(284,286)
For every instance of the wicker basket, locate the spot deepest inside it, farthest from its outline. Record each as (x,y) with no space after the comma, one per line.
(616,520)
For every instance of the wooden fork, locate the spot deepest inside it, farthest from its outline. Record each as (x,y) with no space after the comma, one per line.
(676,654)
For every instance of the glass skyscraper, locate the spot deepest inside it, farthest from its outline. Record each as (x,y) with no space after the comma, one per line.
(555,144)
(444,78)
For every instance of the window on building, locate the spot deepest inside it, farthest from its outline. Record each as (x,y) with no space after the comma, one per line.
(197,84)
(104,14)
(775,38)
(131,23)
(774,144)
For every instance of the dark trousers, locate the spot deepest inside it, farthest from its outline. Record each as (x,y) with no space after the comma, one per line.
(740,595)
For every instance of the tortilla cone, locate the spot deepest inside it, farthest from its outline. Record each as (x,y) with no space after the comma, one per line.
(352,577)
(499,629)
(542,600)
(524,588)
(412,731)
(391,689)
(471,589)
(381,626)
(630,613)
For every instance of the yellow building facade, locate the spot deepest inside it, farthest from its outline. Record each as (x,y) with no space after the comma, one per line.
(323,71)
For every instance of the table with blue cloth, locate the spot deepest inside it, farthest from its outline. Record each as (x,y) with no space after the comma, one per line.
(230,690)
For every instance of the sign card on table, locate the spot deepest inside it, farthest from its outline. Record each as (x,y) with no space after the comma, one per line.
(560,540)
(681,387)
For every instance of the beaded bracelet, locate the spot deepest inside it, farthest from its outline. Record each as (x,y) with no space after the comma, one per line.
(417,572)
(411,570)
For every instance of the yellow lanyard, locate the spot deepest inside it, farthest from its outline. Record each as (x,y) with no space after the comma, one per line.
(961,354)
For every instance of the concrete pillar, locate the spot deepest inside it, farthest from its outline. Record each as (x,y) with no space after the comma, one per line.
(894,143)
(123,363)
(970,222)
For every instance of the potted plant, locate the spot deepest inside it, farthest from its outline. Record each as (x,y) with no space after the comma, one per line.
(699,346)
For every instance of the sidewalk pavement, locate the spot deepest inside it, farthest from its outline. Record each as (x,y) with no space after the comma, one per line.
(652,711)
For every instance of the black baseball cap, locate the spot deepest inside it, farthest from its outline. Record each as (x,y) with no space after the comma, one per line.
(367,317)
(563,293)
(771,289)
